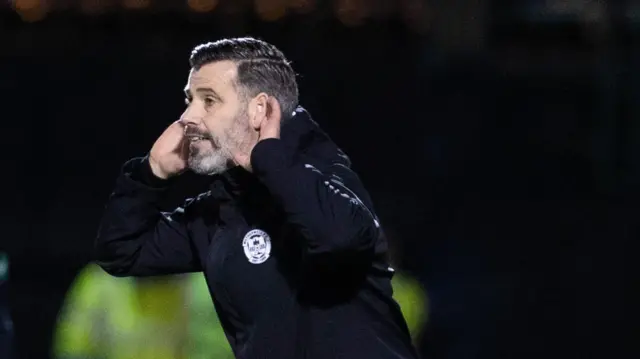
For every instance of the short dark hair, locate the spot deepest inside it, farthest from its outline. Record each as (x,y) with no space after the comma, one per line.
(262,67)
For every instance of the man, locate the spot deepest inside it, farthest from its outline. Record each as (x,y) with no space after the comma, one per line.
(286,237)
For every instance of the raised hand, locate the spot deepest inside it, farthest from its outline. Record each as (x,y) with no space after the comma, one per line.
(169,154)
(270,123)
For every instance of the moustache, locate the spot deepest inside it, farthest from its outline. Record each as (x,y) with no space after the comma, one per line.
(192,132)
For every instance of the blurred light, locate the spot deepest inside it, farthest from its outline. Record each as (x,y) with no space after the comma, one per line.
(31,10)
(271,10)
(202,5)
(25,5)
(302,6)
(351,12)
(136,4)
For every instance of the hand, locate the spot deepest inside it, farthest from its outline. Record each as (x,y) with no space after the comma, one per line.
(169,154)
(269,128)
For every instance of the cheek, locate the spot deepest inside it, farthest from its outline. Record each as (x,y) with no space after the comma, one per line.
(217,128)
(212,124)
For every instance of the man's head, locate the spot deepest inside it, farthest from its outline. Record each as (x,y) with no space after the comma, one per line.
(229,86)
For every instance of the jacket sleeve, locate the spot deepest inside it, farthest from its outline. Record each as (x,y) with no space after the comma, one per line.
(135,237)
(331,208)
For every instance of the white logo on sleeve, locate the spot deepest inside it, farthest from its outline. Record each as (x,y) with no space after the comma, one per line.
(257,246)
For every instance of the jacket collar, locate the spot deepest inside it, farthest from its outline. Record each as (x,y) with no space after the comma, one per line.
(303,139)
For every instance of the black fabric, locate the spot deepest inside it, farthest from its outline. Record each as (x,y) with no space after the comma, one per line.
(293,253)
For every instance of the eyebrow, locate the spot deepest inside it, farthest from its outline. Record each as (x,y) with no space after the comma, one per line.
(204,90)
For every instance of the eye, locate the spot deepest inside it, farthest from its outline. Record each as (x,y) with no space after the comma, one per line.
(187,101)
(209,101)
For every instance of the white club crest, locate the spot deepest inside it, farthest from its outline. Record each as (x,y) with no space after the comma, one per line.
(257,246)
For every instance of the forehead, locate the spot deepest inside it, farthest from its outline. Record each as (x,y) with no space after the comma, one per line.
(219,76)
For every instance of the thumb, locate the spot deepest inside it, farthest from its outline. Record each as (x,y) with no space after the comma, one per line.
(270,126)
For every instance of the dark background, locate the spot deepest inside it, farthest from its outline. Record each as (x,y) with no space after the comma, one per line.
(499,140)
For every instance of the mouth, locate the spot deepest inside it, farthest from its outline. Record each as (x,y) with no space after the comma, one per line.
(193,135)
(196,138)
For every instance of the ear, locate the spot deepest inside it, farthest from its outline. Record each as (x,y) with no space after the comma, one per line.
(274,111)
(258,110)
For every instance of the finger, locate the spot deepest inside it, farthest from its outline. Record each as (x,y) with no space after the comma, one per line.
(184,147)
(177,129)
(179,125)
(176,139)
(275,111)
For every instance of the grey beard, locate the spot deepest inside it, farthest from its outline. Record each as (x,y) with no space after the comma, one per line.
(209,164)
(221,159)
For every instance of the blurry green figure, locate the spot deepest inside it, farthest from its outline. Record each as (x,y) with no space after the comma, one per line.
(105,317)
(206,339)
(407,290)
(411,297)
(143,318)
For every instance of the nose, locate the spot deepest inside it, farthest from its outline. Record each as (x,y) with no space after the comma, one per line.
(190,117)
(189,121)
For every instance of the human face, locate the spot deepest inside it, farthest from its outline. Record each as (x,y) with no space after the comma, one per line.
(216,119)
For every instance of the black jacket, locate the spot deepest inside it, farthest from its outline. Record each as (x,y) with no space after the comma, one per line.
(293,254)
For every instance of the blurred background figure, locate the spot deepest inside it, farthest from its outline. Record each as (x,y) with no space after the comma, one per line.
(407,289)
(104,317)
(148,318)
